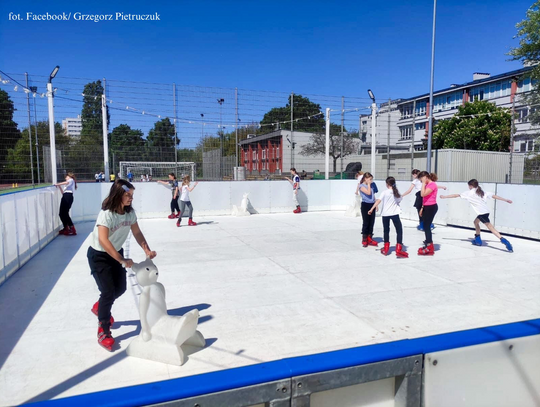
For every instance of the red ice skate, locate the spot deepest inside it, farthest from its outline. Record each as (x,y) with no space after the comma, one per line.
(372,242)
(400,252)
(95,312)
(386,248)
(105,338)
(191,223)
(64,231)
(71,231)
(427,250)
(365,241)
(172,216)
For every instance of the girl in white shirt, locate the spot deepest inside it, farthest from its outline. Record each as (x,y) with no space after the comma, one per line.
(478,200)
(391,200)
(106,256)
(185,201)
(69,187)
(416,187)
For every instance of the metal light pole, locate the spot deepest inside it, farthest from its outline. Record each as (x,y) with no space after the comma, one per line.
(220,101)
(327,146)
(33,89)
(292,129)
(202,126)
(105,135)
(388,142)
(175,132)
(236,127)
(430,117)
(512,133)
(341,138)
(412,136)
(50,96)
(373,131)
(29,128)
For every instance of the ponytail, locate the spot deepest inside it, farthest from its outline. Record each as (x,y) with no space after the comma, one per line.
(391,182)
(479,191)
(431,175)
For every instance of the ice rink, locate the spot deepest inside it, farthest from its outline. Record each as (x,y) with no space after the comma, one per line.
(267,287)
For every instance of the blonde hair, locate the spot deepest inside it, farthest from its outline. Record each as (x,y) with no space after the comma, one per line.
(186,180)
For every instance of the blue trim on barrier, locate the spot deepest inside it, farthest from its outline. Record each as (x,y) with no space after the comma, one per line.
(191,386)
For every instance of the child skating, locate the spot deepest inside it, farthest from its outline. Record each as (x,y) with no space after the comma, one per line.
(416,187)
(295,182)
(478,200)
(429,209)
(390,200)
(106,256)
(366,188)
(185,189)
(173,182)
(67,187)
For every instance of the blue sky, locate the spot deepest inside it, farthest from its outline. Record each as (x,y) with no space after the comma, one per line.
(331,48)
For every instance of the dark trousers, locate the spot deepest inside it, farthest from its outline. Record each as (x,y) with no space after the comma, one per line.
(110,277)
(65,206)
(368,220)
(174,205)
(428,215)
(397,224)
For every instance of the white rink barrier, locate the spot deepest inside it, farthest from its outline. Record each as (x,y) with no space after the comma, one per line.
(29,222)
(30,218)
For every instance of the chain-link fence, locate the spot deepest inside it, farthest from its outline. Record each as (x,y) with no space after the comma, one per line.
(262,133)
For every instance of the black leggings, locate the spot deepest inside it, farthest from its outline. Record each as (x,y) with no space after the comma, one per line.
(110,277)
(428,215)
(418,202)
(174,205)
(368,220)
(397,224)
(65,206)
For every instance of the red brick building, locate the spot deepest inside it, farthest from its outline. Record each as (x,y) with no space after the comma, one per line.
(262,154)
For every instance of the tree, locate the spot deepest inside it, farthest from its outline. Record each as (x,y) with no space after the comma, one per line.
(126,144)
(479,125)
(302,109)
(18,159)
(91,114)
(317,144)
(161,141)
(529,52)
(9,133)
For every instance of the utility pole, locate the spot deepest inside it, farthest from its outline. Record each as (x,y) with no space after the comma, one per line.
(292,129)
(220,101)
(34,91)
(327,146)
(430,120)
(27,90)
(175,131)
(342,126)
(412,136)
(236,127)
(512,133)
(373,131)
(52,136)
(388,143)
(105,131)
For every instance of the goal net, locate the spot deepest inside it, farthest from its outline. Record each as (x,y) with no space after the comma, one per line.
(156,170)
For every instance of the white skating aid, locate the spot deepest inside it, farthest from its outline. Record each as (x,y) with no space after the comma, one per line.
(164,338)
(243,210)
(353,210)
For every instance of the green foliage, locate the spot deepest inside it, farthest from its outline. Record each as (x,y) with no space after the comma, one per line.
(18,159)
(302,108)
(529,51)
(9,133)
(91,115)
(472,128)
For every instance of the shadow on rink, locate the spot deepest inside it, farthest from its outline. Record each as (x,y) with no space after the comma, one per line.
(120,354)
(24,293)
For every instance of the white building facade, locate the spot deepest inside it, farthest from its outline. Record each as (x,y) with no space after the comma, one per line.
(72,126)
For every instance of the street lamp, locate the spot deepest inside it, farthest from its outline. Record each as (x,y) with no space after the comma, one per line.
(50,96)
(220,101)
(202,126)
(373,130)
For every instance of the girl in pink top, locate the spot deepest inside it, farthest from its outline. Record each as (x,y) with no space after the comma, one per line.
(429,209)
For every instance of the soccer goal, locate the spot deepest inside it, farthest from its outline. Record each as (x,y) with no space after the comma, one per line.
(157,170)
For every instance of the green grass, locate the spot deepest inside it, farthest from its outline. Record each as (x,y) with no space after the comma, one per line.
(24,188)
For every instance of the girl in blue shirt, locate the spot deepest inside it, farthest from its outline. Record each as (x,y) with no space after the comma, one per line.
(367,189)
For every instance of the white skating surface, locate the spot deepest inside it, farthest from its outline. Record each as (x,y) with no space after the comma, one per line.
(267,287)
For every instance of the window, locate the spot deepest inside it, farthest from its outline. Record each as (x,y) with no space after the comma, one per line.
(420,126)
(264,154)
(406,132)
(522,115)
